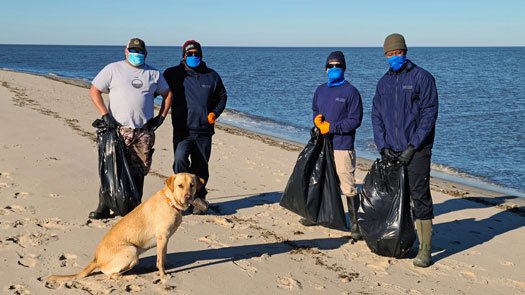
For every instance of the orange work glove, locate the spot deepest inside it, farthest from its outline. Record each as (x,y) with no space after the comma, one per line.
(211,118)
(318,120)
(324,127)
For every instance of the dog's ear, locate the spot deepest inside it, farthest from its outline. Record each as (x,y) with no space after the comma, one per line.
(169,182)
(199,182)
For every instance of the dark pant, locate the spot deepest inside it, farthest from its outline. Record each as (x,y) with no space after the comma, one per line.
(192,153)
(419,184)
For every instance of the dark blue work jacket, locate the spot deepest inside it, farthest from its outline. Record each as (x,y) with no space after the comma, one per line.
(405,109)
(196,93)
(342,108)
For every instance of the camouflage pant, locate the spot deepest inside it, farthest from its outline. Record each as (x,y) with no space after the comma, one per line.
(139,148)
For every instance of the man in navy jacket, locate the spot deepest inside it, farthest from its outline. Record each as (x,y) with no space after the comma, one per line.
(404,113)
(199,98)
(337,109)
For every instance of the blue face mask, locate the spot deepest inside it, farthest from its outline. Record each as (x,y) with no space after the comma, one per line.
(396,62)
(336,76)
(193,61)
(136,59)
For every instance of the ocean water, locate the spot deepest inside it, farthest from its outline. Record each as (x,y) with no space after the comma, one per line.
(480,133)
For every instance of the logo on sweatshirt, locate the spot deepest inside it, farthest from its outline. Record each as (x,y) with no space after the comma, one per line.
(340,99)
(137,83)
(205,86)
(408,87)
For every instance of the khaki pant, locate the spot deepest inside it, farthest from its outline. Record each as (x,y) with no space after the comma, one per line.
(345,167)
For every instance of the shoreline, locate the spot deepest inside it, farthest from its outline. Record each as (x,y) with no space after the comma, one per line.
(454,186)
(247,241)
(469,182)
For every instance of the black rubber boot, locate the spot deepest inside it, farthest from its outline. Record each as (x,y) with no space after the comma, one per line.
(353,204)
(102,210)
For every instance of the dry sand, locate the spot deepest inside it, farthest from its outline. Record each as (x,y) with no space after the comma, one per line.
(248,244)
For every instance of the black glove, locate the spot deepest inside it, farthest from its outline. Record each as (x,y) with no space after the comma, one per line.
(388,155)
(154,123)
(111,123)
(407,155)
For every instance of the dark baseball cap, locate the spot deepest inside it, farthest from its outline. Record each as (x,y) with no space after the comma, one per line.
(137,43)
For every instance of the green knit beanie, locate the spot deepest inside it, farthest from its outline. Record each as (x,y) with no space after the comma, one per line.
(395,42)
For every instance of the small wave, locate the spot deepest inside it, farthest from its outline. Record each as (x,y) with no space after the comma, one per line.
(51,74)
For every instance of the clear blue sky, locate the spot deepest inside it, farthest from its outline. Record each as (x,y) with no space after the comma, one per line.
(264,23)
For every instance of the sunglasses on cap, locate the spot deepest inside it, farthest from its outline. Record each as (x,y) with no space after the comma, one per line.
(329,66)
(131,50)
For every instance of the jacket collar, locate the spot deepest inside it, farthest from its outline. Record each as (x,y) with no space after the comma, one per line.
(404,69)
(193,71)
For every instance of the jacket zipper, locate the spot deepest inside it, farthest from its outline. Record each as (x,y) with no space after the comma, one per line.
(395,114)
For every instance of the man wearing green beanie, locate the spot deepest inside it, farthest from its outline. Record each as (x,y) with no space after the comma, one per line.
(404,113)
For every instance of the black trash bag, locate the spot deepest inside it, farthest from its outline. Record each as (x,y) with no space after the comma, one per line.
(116,183)
(384,215)
(313,188)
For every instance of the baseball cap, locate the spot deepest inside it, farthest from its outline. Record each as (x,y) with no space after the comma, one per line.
(137,43)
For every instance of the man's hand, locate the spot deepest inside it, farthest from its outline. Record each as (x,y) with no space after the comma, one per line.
(388,155)
(324,127)
(407,155)
(318,120)
(154,123)
(211,118)
(111,123)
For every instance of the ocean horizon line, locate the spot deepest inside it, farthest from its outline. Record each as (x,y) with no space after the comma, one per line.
(273,46)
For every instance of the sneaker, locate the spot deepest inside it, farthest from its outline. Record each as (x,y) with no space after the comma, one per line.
(306,222)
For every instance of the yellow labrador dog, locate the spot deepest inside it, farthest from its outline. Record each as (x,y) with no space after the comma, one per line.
(150,224)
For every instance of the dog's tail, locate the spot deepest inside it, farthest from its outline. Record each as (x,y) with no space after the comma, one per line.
(84,273)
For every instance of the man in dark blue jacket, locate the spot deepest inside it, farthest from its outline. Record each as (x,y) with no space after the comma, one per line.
(404,113)
(199,98)
(337,109)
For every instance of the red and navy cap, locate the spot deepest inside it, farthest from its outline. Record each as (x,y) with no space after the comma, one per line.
(192,44)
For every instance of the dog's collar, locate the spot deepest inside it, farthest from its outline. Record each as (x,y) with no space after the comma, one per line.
(172,204)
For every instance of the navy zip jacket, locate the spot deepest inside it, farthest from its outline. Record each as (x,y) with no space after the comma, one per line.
(341,107)
(405,109)
(196,93)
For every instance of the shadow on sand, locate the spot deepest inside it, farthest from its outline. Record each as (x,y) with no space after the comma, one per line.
(456,236)
(209,257)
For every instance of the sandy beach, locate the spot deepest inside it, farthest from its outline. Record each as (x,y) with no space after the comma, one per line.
(247,244)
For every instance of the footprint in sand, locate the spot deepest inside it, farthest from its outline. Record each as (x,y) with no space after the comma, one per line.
(31,240)
(226,222)
(80,286)
(468,275)
(211,241)
(18,290)
(288,283)
(68,259)
(131,288)
(28,259)
(17,209)
(246,267)
(46,223)
(506,263)
(21,195)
